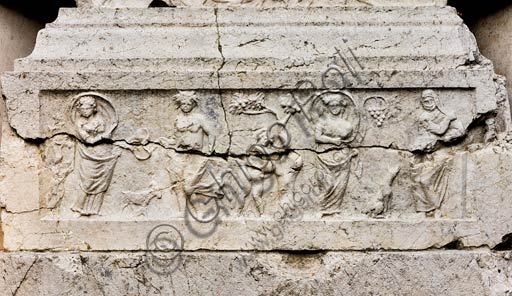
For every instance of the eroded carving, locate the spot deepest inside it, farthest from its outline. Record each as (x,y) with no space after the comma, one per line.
(138,144)
(202,191)
(254,180)
(333,174)
(95,119)
(431,179)
(250,104)
(96,168)
(337,120)
(377,108)
(258,169)
(194,131)
(93,116)
(59,158)
(351,157)
(436,124)
(137,202)
(384,194)
(491,131)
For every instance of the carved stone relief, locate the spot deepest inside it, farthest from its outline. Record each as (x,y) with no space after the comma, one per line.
(337,118)
(93,116)
(384,193)
(377,108)
(269,170)
(333,174)
(432,179)
(371,138)
(95,119)
(59,158)
(193,131)
(96,169)
(138,201)
(317,147)
(436,124)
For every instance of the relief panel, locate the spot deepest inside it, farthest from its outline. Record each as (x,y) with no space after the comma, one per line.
(157,165)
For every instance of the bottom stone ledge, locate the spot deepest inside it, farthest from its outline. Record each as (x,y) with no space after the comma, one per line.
(436,272)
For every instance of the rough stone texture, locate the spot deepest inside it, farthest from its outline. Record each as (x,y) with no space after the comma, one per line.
(199,273)
(494,35)
(17,39)
(310,137)
(253,3)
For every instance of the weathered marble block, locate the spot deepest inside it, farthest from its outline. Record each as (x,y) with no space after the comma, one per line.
(319,128)
(332,273)
(252,3)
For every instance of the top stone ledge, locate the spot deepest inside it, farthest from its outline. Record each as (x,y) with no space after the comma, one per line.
(255,3)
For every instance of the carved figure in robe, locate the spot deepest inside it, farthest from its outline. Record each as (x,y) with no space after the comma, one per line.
(436,124)
(96,168)
(203,192)
(333,173)
(94,119)
(431,179)
(90,125)
(332,127)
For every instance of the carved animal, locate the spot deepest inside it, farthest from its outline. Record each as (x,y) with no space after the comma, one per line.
(140,200)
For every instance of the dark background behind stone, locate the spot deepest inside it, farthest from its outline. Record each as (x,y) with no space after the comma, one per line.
(41,10)
(472,10)
(46,10)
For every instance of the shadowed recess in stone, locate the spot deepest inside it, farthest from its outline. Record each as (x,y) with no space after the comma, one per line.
(42,10)
(471,11)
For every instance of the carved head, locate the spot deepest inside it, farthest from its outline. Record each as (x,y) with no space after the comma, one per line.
(429,100)
(86,106)
(334,102)
(186,101)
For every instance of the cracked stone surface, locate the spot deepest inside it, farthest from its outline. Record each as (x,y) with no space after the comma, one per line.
(377,140)
(253,3)
(447,272)
(332,145)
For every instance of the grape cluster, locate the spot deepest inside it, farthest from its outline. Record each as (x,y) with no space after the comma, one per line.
(240,104)
(378,114)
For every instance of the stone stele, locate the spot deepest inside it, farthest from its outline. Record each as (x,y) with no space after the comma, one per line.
(256,147)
